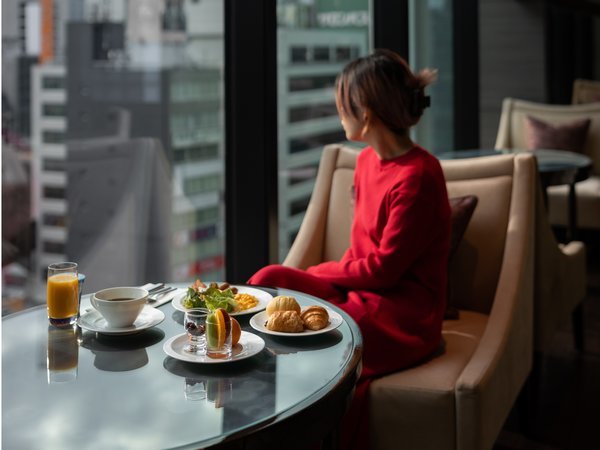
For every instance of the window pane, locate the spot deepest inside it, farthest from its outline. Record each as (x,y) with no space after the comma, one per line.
(117,124)
(430,27)
(315,40)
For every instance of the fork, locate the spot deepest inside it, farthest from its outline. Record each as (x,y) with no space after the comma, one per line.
(160,293)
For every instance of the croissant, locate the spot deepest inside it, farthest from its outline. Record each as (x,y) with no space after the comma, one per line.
(283,303)
(315,317)
(285,321)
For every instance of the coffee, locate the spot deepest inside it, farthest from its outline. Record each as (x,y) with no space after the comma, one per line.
(120,299)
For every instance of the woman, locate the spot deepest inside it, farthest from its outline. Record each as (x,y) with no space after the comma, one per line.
(392,278)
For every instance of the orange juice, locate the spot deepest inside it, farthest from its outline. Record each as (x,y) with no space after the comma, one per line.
(62,295)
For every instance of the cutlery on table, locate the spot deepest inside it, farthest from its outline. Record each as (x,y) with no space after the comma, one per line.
(160,293)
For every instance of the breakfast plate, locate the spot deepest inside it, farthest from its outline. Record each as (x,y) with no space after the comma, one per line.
(257,321)
(249,345)
(92,320)
(263,299)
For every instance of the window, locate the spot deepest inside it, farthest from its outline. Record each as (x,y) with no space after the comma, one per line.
(52,82)
(309,83)
(310,142)
(53,137)
(431,38)
(301,113)
(54,220)
(123,73)
(315,39)
(54,193)
(54,247)
(53,110)
(53,165)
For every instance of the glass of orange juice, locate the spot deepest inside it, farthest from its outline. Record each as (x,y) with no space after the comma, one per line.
(62,294)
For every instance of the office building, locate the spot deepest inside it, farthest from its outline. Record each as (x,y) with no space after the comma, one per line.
(308,63)
(49,181)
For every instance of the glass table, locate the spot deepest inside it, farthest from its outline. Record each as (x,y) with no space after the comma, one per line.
(556,167)
(79,389)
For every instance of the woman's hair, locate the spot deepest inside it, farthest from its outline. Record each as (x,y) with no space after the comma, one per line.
(384,84)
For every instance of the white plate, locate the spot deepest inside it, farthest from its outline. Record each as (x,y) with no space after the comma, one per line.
(249,345)
(263,299)
(92,320)
(257,322)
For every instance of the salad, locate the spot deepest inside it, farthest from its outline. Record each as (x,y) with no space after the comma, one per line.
(211,297)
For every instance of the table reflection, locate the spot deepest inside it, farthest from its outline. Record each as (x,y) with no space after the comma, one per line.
(245,390)
(62,354)
(121,353)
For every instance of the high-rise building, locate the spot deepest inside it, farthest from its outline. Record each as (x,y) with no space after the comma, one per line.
(308,63)
(179,105)
(48,120)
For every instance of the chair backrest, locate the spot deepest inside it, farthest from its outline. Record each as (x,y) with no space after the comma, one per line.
(585,91)
(476,265)
(511,131)
(325,231)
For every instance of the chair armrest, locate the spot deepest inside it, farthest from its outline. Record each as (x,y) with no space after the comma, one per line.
(491,381)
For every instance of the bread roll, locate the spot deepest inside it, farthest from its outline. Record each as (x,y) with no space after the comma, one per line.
(285,321)
(283,303)
(315,317)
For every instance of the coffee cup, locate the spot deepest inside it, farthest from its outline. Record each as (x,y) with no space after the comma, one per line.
(120,306)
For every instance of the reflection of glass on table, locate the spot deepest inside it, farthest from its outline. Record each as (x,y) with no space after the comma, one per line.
(556,167)
(62,354)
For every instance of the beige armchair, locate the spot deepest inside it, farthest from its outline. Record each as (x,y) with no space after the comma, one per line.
(585,91)
(460,398)
(511,134)
(560,282)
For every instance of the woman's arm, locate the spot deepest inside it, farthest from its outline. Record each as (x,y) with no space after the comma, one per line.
(414,221)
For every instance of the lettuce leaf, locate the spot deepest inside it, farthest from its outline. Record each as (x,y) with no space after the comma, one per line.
(215,298)
(193,299)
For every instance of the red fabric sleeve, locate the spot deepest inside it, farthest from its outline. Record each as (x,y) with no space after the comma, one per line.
(409,230)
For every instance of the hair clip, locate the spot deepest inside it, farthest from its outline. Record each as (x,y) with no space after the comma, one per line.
(419,102)
(426,101)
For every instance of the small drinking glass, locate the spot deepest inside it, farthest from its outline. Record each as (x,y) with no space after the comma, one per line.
(194,322)
(62,294)
(218,330)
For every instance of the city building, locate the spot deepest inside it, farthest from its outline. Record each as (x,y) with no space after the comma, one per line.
(308,63)
(180,106)
(49,181)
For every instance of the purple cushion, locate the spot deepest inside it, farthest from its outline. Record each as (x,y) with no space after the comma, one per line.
(565,136)
(462,209)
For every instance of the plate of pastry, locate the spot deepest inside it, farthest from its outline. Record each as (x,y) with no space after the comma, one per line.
(283,316)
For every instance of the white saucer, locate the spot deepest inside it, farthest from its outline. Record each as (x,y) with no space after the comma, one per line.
(93,321)
(263,299)
(249,345)
(257,322)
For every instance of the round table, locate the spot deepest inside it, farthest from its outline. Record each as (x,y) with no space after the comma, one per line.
(556,167)
(74,389)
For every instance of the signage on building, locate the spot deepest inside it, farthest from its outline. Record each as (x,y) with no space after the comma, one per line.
(342,14)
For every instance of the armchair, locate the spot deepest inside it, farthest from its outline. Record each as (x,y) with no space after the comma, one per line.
(585,91)
(560,281)
(511,134)
(461,396)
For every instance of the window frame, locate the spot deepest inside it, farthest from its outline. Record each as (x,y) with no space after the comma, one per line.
(250,137)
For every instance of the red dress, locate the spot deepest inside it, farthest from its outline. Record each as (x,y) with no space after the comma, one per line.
(392,279)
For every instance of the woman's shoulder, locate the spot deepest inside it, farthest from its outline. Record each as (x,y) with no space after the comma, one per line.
(426,161)
(421,172)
